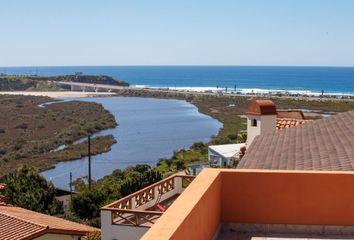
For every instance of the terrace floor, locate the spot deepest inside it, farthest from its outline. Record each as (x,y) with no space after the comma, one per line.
(231,235)
(146,219)
(165,204)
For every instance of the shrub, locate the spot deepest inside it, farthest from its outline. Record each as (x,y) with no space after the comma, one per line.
(28,189)
(23,126)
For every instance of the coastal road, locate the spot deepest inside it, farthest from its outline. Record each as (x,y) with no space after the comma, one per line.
(90,87)
(87,87)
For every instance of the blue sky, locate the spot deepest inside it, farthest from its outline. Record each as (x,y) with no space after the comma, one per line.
(183,32)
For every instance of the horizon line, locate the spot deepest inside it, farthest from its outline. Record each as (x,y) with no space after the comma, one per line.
(181,65)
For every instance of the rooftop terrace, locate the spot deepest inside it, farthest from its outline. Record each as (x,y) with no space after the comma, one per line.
(246,204)
(131,216)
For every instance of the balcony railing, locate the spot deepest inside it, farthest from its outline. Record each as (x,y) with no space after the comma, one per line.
(140,208)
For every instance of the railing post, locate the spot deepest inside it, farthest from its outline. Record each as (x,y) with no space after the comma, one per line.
(137,219)
(178,184)
(132,203)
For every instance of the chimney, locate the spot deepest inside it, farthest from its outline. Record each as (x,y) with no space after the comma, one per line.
(261,118)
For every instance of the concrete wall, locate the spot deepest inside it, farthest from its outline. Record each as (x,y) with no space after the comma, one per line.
(50,236)
(195,214)
(122,232)
(119,232)
(220,160)
(288,197)
(257,197)
(66,200)
(265,124)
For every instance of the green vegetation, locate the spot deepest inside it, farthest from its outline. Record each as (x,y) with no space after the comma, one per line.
(85,206)
(120,183)
(229,110)
(29,132)
(93,236)
(47,83)
(28,189)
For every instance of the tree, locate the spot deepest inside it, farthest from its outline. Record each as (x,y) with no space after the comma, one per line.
(86,205)
(28,189)
(144,180)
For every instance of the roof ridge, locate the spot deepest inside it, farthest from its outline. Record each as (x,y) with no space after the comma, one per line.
(295,119)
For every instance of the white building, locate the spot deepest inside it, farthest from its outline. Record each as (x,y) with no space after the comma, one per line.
(224,155)
(130,217)
(262,117)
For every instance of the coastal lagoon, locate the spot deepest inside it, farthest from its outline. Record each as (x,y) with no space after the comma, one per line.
(148,129)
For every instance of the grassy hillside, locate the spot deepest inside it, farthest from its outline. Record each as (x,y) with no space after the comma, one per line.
(45,83)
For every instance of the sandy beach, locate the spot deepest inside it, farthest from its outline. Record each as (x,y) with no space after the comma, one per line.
(60,94)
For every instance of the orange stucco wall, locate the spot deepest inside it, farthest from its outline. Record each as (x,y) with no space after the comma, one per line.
(256,196)
(262,197)
(195,214)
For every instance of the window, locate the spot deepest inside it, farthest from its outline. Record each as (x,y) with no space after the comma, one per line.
(254,122)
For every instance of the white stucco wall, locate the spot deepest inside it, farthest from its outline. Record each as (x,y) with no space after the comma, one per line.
(252,132)
(50,236)
(119,232)
(265,124)
(212,155)
(111,231)
(268,123)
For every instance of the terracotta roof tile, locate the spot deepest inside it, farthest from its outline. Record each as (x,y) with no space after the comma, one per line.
(15,228)
(20,223)
(324,144)
(292,114)
(262,107)
(286,123)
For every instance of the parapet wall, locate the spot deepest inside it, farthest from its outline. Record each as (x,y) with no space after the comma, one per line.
(220,196)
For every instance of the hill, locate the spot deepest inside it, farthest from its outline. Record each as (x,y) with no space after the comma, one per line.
(47,83)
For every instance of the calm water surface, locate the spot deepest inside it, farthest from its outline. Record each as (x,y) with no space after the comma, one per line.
(338,80)
(148,129)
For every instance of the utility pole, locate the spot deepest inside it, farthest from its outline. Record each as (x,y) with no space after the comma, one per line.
(89,161)
(71,186)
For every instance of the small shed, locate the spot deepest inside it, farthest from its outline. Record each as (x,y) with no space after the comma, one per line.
(224,155)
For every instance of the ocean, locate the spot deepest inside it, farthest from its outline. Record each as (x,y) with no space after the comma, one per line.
(303,80)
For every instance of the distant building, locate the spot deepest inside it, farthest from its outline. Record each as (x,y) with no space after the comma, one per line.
(262,118)
(268,196)
(64,196)
(269,200)
(224,155)
(324,144)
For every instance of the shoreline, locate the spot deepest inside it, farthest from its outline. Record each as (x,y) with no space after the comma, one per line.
(225,108)
(281,94)
(247,91)
(59,94)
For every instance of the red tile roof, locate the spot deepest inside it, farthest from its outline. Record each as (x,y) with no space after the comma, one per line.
(286,123)
(19,223)
(261,107)
(324,144)
(292,114)
(15,228)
